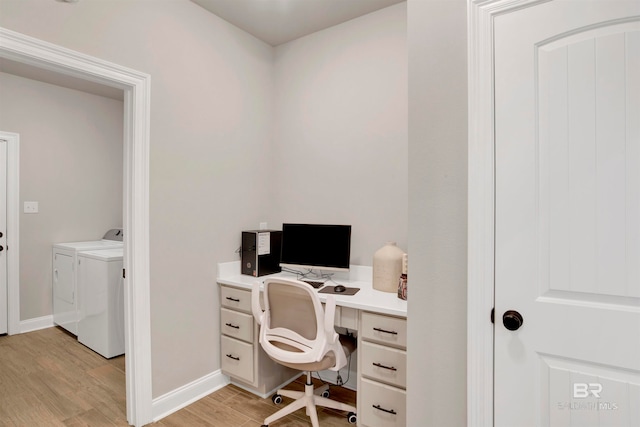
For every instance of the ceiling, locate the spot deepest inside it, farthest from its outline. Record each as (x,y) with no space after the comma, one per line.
(279,21)
(273,21)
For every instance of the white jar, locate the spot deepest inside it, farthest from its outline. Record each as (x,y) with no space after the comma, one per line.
(387,267)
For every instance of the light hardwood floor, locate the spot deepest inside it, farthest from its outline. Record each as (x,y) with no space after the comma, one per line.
(47,378)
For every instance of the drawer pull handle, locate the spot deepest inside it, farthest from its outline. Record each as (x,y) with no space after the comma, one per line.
(385,331)
(233,299)
(380,365)
(231,325)
(230,356)
(388,411)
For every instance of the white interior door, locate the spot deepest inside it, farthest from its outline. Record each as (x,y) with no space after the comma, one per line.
(4,312)
(567,105)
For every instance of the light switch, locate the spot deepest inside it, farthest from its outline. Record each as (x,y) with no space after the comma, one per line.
(30,207)
(263,226)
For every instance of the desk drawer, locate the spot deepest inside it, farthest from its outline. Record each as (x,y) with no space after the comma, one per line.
(384,364)
(382,405)
(383,329)
(236,324)
(238,299)
(237,358)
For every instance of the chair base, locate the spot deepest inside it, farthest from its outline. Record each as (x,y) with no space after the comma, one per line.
(310,398)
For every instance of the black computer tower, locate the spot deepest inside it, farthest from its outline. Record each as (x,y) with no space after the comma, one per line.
(261,252)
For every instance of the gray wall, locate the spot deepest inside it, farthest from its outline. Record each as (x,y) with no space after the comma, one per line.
(340,137)
(71,164)
(437,346)
(211,118)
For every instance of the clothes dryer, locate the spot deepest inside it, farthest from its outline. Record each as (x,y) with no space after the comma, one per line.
(64,276)
(101,289)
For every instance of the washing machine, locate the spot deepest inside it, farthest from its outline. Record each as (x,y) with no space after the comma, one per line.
(101,289)
(64,277)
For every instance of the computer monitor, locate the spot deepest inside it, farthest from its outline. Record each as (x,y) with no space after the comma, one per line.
(316,246)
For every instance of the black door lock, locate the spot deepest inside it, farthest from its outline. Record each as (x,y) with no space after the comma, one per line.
(512,320)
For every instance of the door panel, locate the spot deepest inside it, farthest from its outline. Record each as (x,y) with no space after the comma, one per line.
(567,90)
(589,182)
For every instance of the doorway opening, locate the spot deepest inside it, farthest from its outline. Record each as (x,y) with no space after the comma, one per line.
(136,86)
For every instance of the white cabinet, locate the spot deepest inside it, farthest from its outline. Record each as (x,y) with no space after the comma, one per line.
(382,375)
(241,356)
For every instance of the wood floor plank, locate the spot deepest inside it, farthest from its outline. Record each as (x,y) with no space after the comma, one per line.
(181,419)
(29,411)
(91,418)
(218,414)
(225,393)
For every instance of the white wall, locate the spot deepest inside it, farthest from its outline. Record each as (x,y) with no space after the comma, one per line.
(340,136)
(212,123)
(211,116)
(436,389)
(71,164)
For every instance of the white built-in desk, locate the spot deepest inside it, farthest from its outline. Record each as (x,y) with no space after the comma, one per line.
(378,317)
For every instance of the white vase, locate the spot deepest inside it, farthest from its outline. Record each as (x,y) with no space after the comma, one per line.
(387,267)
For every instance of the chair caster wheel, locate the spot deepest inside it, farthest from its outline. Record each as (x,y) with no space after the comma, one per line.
(277,399)
(352,418)
(325,393)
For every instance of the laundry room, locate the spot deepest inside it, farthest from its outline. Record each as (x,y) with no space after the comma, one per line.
(71,172)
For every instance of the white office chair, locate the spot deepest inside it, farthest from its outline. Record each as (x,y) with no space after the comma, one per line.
(296,332)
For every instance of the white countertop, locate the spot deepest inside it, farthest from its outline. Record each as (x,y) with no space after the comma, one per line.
(367,298)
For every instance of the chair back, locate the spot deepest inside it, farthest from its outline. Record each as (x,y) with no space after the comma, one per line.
(292,308)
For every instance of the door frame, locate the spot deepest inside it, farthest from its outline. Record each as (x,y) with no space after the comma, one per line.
(481,204)
(13,227)
(136,85)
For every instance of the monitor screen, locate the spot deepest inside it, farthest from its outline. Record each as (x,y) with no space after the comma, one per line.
(316,246)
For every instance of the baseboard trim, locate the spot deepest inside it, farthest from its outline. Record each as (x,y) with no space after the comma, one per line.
(183,396)
(36,324)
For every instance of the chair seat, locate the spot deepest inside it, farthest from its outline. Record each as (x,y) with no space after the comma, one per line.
(349,345)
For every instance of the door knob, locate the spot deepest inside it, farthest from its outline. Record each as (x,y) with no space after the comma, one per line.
(512,320)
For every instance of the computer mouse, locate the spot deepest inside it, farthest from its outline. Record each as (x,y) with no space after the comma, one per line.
(339,289)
